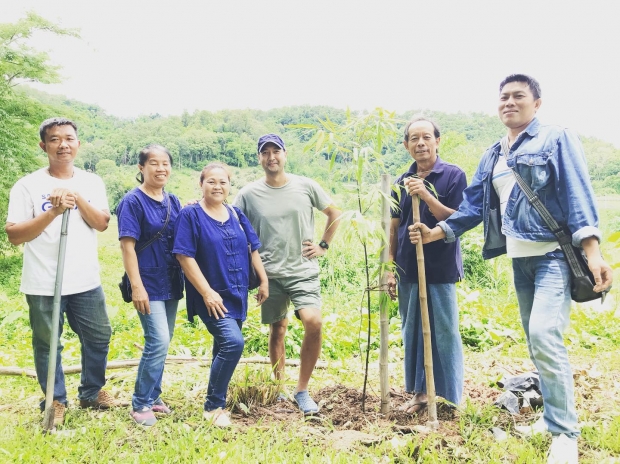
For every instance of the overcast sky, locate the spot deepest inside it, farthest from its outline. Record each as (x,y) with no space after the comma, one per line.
(143,57)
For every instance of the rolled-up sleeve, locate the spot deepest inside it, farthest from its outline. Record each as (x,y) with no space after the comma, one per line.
(574,188)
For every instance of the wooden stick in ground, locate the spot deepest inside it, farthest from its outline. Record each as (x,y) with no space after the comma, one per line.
(426,325)
(384,298)
(12,370)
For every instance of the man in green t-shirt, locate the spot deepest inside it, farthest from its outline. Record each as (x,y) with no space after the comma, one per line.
(280,207)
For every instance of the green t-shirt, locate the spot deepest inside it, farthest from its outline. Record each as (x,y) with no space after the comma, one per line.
(283,218)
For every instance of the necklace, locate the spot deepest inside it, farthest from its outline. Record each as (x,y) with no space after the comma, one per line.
(61,178)
(157,196)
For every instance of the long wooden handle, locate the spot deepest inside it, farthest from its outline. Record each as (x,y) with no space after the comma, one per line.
(426,324)
(48,418)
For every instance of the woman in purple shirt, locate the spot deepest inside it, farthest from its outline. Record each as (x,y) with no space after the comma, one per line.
(211,242)
(146,217)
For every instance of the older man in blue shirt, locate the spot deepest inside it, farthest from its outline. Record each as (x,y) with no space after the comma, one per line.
(443,268)
(552,161)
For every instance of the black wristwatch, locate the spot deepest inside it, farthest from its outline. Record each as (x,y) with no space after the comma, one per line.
(323,244)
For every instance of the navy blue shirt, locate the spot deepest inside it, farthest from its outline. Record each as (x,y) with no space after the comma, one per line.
(221,251)
(442,261)
(141,217)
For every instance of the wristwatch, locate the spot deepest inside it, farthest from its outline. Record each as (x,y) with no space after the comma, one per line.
(323,244)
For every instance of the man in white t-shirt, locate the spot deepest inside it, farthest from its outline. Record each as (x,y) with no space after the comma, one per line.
(280,208)
(36,205)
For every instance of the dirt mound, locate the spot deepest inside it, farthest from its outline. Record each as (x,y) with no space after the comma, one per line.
(341,409)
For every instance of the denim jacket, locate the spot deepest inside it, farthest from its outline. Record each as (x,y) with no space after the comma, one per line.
(551,160)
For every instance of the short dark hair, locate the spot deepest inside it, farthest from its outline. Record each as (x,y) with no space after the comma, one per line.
(143,157)
(418,119)
(51,122)
(529,80)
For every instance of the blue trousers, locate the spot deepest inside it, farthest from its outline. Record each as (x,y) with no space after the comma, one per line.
(158,331)
(445,337)
(228,346)
(543,290)
(87,317)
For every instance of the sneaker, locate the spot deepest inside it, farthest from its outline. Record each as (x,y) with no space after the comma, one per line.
(144,417)
(536,428)
(59,413)
(305,403)
(563,450)
(218,417)
(104,400)
(159,407)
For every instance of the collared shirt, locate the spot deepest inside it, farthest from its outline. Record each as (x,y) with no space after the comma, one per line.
(552,161)
(443,262)
(142,217)
(221,252)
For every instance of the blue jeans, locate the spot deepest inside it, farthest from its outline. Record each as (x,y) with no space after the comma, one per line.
(445,339)
(158,330)
(543,290)
(227,349)
(87,317)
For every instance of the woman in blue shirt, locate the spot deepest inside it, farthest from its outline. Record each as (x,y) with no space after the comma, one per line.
(211,243)
(146,217)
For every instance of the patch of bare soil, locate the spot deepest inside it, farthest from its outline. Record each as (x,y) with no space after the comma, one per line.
(341,412)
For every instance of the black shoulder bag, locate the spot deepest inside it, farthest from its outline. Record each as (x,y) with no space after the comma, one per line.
(582,280)
(253,282)
(124,284)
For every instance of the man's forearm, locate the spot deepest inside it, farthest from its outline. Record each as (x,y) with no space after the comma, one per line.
(438,209)
(333,221)
(436,233)
(98,219)
(27,231)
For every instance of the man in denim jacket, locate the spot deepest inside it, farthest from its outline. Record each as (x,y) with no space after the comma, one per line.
(551,160)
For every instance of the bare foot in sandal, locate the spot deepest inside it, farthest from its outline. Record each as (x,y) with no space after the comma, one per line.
(415,405)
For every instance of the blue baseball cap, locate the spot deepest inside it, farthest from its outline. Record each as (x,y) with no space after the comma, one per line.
(273,138)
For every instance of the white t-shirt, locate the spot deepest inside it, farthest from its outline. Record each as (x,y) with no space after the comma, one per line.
(29,199)
(504,181)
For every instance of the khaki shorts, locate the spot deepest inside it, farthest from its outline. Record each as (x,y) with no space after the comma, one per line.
(303,292)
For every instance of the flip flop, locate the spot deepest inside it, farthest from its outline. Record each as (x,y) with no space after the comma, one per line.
(413,407)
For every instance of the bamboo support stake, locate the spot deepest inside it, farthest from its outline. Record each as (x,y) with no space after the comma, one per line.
(426,325)
(383,298)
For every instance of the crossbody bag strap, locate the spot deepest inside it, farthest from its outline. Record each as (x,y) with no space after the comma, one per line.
(158,234)
(561,233)
(234,213)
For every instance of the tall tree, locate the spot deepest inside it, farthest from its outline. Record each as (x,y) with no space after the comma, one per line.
(19,114)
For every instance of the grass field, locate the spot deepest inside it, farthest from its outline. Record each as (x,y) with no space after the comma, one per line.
(494,347)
